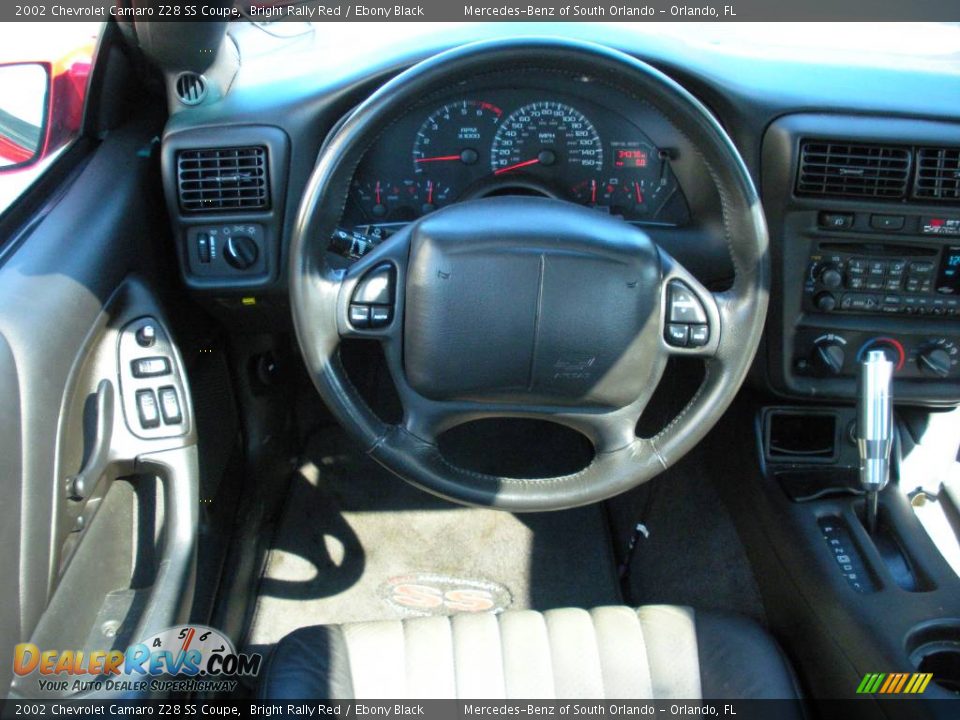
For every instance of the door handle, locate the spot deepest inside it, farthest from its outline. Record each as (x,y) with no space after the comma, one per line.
(80,485)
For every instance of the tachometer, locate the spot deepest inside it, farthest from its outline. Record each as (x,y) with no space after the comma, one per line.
(451,145)
(547,135)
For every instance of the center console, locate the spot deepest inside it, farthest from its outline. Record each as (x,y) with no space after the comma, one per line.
(864,217)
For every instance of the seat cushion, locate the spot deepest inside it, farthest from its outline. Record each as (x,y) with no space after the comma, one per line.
(654,652)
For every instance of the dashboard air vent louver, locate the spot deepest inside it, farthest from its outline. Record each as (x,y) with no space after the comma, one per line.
(853,170)
(218,179)
(938,174)
(191,88)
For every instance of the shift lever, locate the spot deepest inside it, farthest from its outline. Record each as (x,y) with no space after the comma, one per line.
(874,428)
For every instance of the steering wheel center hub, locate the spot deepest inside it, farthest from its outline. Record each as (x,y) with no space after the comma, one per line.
(520,299)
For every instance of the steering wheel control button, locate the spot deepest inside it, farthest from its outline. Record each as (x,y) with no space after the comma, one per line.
(376,288)
(170,405)
(150,367)
(380,316)
(684,306)
(699,335)
(678,334)
(146,335)
(372,303)
(147,409)
(360,316)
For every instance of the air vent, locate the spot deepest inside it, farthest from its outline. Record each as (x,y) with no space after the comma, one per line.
(191,88)
(220,179)
(938,174)
(848,170)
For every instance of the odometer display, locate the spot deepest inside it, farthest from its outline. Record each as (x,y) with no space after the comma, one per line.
(545,135)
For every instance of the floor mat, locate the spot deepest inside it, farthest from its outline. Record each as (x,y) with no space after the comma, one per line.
(356,543)
(692,554)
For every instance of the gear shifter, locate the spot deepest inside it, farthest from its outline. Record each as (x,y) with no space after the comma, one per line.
(874,428)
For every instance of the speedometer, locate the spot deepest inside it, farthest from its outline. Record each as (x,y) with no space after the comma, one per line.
(547,135)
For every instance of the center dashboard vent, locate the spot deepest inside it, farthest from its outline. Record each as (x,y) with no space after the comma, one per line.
(853,170)
(218,179)
(938,174)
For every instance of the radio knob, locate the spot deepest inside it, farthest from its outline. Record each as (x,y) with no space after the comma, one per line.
(934,362)
(831,277)
(829,355)
(825,302)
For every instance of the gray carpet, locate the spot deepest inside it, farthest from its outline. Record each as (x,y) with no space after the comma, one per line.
(352,532)
(693,555)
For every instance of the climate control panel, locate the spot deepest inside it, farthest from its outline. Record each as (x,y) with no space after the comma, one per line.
(826,353)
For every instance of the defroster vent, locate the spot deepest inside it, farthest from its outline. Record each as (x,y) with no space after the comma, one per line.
(853,170)
(219,179)
(938,174)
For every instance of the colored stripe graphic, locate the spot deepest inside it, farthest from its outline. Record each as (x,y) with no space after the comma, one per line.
(894,683)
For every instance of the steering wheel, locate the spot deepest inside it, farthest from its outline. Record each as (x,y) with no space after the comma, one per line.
(526,307)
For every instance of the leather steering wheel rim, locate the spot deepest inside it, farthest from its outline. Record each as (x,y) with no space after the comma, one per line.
(316,288)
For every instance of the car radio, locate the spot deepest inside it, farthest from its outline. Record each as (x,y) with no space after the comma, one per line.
(883,278)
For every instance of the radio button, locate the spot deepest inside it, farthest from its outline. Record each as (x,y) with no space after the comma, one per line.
(887,222)
(856,283)
(897,266)
(877,268)
(858,266)
(921,268)
(891,284)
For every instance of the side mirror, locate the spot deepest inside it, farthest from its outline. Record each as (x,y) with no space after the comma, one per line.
(41,108)
(24,116)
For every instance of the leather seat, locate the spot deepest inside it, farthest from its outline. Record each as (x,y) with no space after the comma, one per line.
(654,652)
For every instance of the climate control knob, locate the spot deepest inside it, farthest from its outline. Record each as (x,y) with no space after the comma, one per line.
(829,354)
(935,362)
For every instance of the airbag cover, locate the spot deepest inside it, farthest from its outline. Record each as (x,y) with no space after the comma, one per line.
(525,299)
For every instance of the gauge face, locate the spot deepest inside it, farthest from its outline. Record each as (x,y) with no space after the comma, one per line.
(387,200)
(452,144)
(549,137)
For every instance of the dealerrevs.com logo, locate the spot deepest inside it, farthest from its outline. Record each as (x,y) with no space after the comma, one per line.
(181,658)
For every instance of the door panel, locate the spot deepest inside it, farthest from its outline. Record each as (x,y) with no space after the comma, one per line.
(74,561)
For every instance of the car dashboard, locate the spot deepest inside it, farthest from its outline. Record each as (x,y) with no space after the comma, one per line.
(856,166)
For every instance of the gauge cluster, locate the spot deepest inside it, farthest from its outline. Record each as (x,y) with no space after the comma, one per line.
(529,141)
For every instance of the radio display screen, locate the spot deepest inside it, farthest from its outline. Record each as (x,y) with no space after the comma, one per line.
(948,279)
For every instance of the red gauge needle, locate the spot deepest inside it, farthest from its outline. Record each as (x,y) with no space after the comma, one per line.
(593,191)
(636,186)
(438,158)
(515,166)
(377,190)
(430,191)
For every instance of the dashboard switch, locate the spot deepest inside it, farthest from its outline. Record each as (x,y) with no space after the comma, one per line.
(147,409)
(203,248)
(836,220)
(150,367)
(887,222)
(684,306)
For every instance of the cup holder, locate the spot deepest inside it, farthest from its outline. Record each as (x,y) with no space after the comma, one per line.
(935,648)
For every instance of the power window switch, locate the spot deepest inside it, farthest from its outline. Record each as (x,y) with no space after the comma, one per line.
(147,409)
(150,366)
(170,405)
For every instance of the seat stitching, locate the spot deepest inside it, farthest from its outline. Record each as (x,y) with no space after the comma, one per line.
(646,654)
